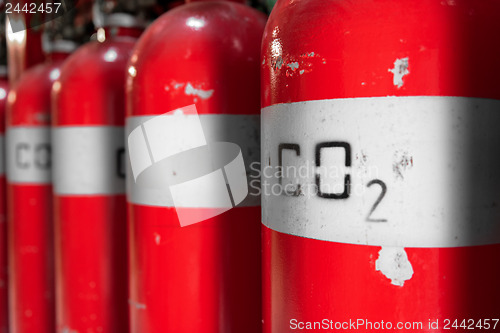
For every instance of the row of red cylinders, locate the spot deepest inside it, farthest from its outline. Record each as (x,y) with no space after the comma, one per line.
(122,266)
(71,256)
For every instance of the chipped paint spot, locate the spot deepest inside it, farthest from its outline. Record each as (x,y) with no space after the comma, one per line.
(278,63)
(157,238)
(301,71)
(400,70)
(394,264)
(363,158)
(203,94)
(293,65)
(137,305)
(311,54)
(276,49)
(363,83)
(264,61)
(403,161)
(178,85)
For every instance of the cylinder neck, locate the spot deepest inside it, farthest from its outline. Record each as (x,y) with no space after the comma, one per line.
(60,50)
(121,25)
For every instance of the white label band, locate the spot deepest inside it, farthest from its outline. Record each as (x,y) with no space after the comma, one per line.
(191,132)
(160,137)
(28,155)
(89,160)
(392,171)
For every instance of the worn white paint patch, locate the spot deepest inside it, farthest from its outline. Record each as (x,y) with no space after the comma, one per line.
(157,239)
(400,70)
(394,264)
(403,161)
(203,94)
(137,305)
(278,63)
(293,65)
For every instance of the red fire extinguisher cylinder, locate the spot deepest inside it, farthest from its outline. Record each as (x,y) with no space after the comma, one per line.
(90,212)
(29,195)
(203,277)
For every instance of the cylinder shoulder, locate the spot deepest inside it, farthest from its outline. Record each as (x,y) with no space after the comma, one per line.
(339,49)
(28,102)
